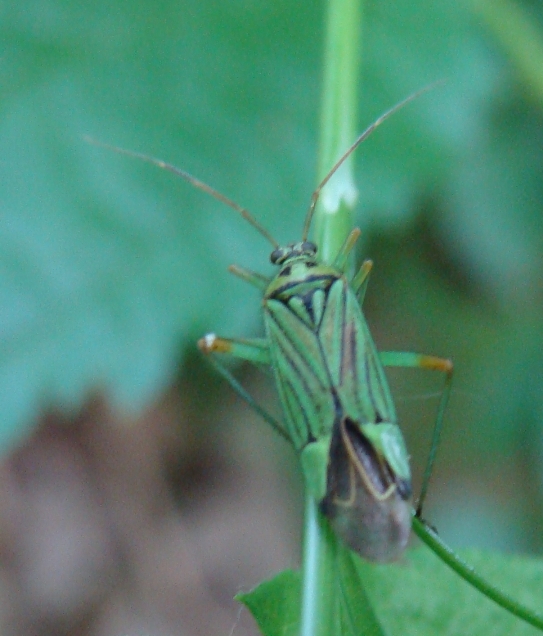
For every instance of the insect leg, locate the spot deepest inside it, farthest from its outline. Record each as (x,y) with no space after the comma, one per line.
(253,278)
(416,360)
(252,350)
(361,279)
(340,262)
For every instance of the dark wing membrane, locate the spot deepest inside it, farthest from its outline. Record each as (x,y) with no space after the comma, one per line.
(367,505)
(352,358)
(302,377)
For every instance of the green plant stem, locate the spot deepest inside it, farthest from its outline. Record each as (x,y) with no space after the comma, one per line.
(333,217)
(319,613)
(432,540)
(332,223)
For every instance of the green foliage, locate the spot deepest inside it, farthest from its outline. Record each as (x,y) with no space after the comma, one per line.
(110,268)
(419,596)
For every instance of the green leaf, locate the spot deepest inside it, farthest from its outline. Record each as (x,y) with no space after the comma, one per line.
(417,596)
(422,596)
(275,604)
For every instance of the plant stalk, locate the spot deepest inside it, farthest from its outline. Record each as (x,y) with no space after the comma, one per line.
(319,606)
(338,126)
(320,615)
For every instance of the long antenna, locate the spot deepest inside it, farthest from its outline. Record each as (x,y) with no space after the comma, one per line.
(354,146)
(193,181)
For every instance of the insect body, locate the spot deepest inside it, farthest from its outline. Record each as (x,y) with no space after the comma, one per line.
(338,411)
(339,414)
(336,403)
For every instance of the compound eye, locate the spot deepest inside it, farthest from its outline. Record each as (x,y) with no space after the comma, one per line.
(309,248)
(277,256)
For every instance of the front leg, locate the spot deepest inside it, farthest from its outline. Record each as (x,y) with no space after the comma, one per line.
(255,350)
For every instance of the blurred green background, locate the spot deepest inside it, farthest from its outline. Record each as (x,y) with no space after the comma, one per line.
(111,269)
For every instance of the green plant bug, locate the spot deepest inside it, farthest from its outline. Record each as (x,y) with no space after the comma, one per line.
(339,414)
(338,411)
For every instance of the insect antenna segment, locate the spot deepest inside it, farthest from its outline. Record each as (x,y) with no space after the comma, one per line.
(316,194)
(243,212)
